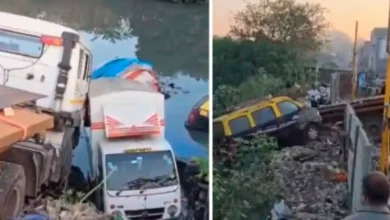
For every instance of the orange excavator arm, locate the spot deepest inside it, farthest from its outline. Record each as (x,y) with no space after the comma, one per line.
(384,157)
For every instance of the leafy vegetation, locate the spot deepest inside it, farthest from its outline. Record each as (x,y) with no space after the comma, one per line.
(270,46)
(244,182)
(299,25)
(203,164)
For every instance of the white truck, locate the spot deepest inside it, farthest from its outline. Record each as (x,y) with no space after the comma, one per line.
(129,153)
(54,63)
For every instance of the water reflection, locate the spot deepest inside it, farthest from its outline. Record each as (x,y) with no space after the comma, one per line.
(173,37)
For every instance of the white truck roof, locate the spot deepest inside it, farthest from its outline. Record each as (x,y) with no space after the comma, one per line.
(126,108)
(122,111)
(106,86)
(32,25)
(122,145)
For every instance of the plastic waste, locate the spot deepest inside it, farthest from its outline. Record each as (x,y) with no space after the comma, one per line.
(33,217)
(281,211)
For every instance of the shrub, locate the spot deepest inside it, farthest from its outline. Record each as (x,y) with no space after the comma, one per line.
(245,185)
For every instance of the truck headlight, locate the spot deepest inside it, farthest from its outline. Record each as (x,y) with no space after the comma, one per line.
(172,210)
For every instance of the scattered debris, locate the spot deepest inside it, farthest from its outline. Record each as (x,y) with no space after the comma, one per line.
(318,95)
(314,181)
(60,209)
(281,211)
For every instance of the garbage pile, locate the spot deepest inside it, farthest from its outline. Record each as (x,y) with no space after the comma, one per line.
(48,209)
(318,95)
(314,181)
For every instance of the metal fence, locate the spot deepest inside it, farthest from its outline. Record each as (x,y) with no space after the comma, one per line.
(360,154)
(344,82)
(335,88)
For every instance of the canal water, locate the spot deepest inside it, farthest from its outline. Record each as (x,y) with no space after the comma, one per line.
(173,37)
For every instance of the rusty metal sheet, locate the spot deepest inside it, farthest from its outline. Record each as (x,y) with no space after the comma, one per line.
(11,96)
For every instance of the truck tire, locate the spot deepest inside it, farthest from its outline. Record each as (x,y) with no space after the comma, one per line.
(12,188)
(75,137)
(59,124)
(312,132)
(87,116)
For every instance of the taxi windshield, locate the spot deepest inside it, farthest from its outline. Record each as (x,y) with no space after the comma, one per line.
(140,170)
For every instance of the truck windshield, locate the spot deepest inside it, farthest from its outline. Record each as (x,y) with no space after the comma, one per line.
(137,171)
(21,44)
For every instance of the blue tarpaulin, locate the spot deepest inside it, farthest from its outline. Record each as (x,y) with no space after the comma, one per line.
(33,217)
(115,67)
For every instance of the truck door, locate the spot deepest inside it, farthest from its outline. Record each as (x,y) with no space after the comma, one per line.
(83,74)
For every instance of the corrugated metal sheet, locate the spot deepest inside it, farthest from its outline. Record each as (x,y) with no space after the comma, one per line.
(11,96)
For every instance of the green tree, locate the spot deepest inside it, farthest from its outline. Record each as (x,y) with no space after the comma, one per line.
(235,61)
(300,25)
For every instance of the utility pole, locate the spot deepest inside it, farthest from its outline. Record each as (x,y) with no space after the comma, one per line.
(354,63)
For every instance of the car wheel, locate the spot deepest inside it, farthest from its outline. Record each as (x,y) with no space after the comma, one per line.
(312,132)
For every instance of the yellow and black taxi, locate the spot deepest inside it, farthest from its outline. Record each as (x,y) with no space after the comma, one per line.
(289,121)
(198,119)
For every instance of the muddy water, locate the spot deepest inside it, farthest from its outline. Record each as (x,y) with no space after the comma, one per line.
(173,37)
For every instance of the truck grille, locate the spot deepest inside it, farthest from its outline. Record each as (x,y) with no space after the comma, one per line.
(145,214)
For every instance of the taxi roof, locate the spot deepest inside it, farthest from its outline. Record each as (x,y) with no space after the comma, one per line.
(251,106)
(205,105)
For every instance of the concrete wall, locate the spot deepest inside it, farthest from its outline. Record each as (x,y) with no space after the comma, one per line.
(360,154)
(345,84)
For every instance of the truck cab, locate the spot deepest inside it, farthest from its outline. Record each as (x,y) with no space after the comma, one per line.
(141,179)
(49,59)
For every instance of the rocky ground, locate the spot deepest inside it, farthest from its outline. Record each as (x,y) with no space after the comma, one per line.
(314,191)
(64,208)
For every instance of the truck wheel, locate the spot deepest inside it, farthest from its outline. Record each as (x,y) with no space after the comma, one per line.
(87,116)
(312,132)
(12,188)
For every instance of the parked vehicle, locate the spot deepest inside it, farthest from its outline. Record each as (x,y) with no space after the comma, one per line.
(198,119)
(319,95)
(287,120)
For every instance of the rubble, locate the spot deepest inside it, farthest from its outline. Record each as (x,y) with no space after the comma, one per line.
(308,176)
(60,209)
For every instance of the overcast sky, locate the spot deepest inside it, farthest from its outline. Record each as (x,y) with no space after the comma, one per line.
(342,14)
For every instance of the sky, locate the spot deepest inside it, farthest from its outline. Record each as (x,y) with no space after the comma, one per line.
(341,14)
